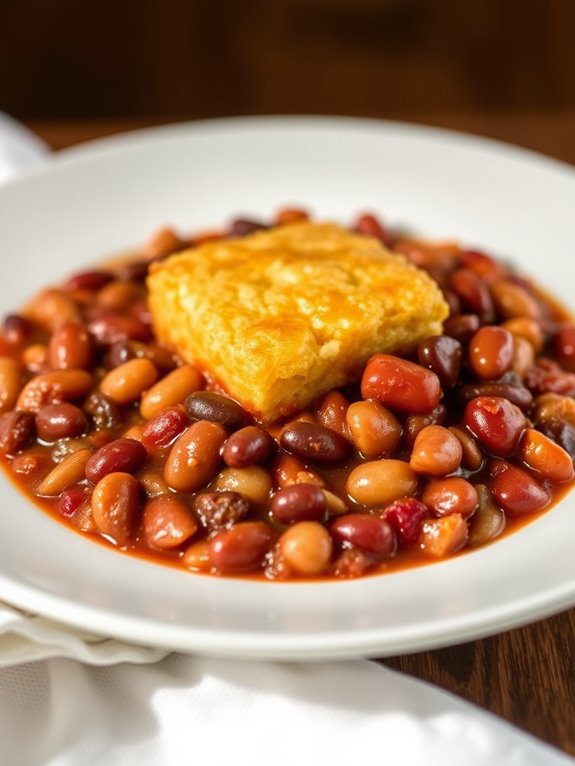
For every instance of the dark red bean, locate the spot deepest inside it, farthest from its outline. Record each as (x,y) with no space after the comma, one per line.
(516,393)
(241,227)
(121,455)
(405,516)
(205,405)
(462,327)
(16,329)
(134,272)
(16,431)
(474,293)
(221,509)
(88,280)
(241,548)
(371,226)
(105,414)
(561,432)
(496,423)
(248,446)
(312,442)
(60,421)
(442,355)
(116,327)
(300,502)
(400,385)
(515,490)
(563,344)
(161,430)
(368,533)
(70,500)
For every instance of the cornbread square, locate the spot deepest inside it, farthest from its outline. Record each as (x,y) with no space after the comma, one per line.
(282,316)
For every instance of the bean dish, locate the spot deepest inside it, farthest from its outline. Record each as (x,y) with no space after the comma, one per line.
(422,456)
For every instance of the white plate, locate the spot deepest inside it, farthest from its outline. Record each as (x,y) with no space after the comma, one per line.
(104,197)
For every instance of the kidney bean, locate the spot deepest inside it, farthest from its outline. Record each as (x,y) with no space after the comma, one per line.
(288,470)
(173,389)
(162,243)
(16,431)
(488,521)
(71,500)
(516,393)
(242,227)
(121,455)
(529,329)
(331,412)
(314,442)
(10,383)
(306,548)
(370,534)
(496,423)
(436,451)
(51,308)
(70,347)
(126,383)
(35,358)
(515,490)
(405,516)
(206,405)
(197,557)
(136,271)
(291,215)
(54,387)
(104,413)
(351,563)
(444,536)
(474,293)
(253,482)
(114,327)
(483,265)
(300,502)
(443,356)
(248,446)
(167,522)
(88,280)
(400,385)
(163,428)
(375,431)
(546,376)
(194,458)
(60,421)
(451,495)
(462,327)
(545,457)
(370,226)
(512,300)
(16,329)
(414,424)
(115,506)
(120,295)
(523,356)
(69,471)
(380,482)
(562,433)
(491,352)
(221,509)
(240,548)
(30,464)
(563,344)
(472,457)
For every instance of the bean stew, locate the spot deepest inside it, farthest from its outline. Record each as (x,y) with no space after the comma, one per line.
(426,456)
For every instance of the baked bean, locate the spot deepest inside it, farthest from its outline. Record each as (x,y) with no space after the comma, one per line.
(413,424)
(496,423)
(545,457)
(523,356)
(163,428)
(288,470)
(474,293)
(124,350)
(515,490)
(300,502)
(171,390)
(162,243)
(113,328)
(451,495)
(444,536)
(65,447)
(152,483)
(546,376)
(51,308)
(291,215)
(119,295)
(126,383)
(197,557)
(524,327)
(70,348)
(443,356)
(488,521)
(54,387)
(335,505)
(16,329)
(253,482)
(10,383)
(370,534)
(71,500)
(351,563)
(331,412)
(406,516)
(135,271)
(205,405)
(115,506)
(400,385)
(104,413)
(70,471)
(60,421)
(30,464)
(35,358)
(514,301)
(483,265)
(314,442)
(16,431)
(240,548)
(517,393)
(221,509)
(248,446)
(563,344)
(121,455)
(549,407)
(472,457)
(88,280)
(436,452)
(462,327)
(306,548)
(375,430)
(167,523)
(195,456)
(241,227)
(561,433)
(491,352)
(370,226)
(379,482)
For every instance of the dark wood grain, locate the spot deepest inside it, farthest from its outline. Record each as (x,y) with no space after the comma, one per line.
(527,675)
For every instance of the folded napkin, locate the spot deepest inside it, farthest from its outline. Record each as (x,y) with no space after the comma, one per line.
(68,698)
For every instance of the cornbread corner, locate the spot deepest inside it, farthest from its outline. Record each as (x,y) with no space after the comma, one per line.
(282,316)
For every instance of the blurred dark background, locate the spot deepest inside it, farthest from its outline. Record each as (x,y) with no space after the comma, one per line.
(148,61)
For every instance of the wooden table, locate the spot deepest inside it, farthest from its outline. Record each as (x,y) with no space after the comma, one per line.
(527,675)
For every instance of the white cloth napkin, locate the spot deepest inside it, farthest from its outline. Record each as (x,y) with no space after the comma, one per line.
(68,698)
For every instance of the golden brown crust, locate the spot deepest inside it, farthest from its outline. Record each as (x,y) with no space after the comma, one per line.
(284,315)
